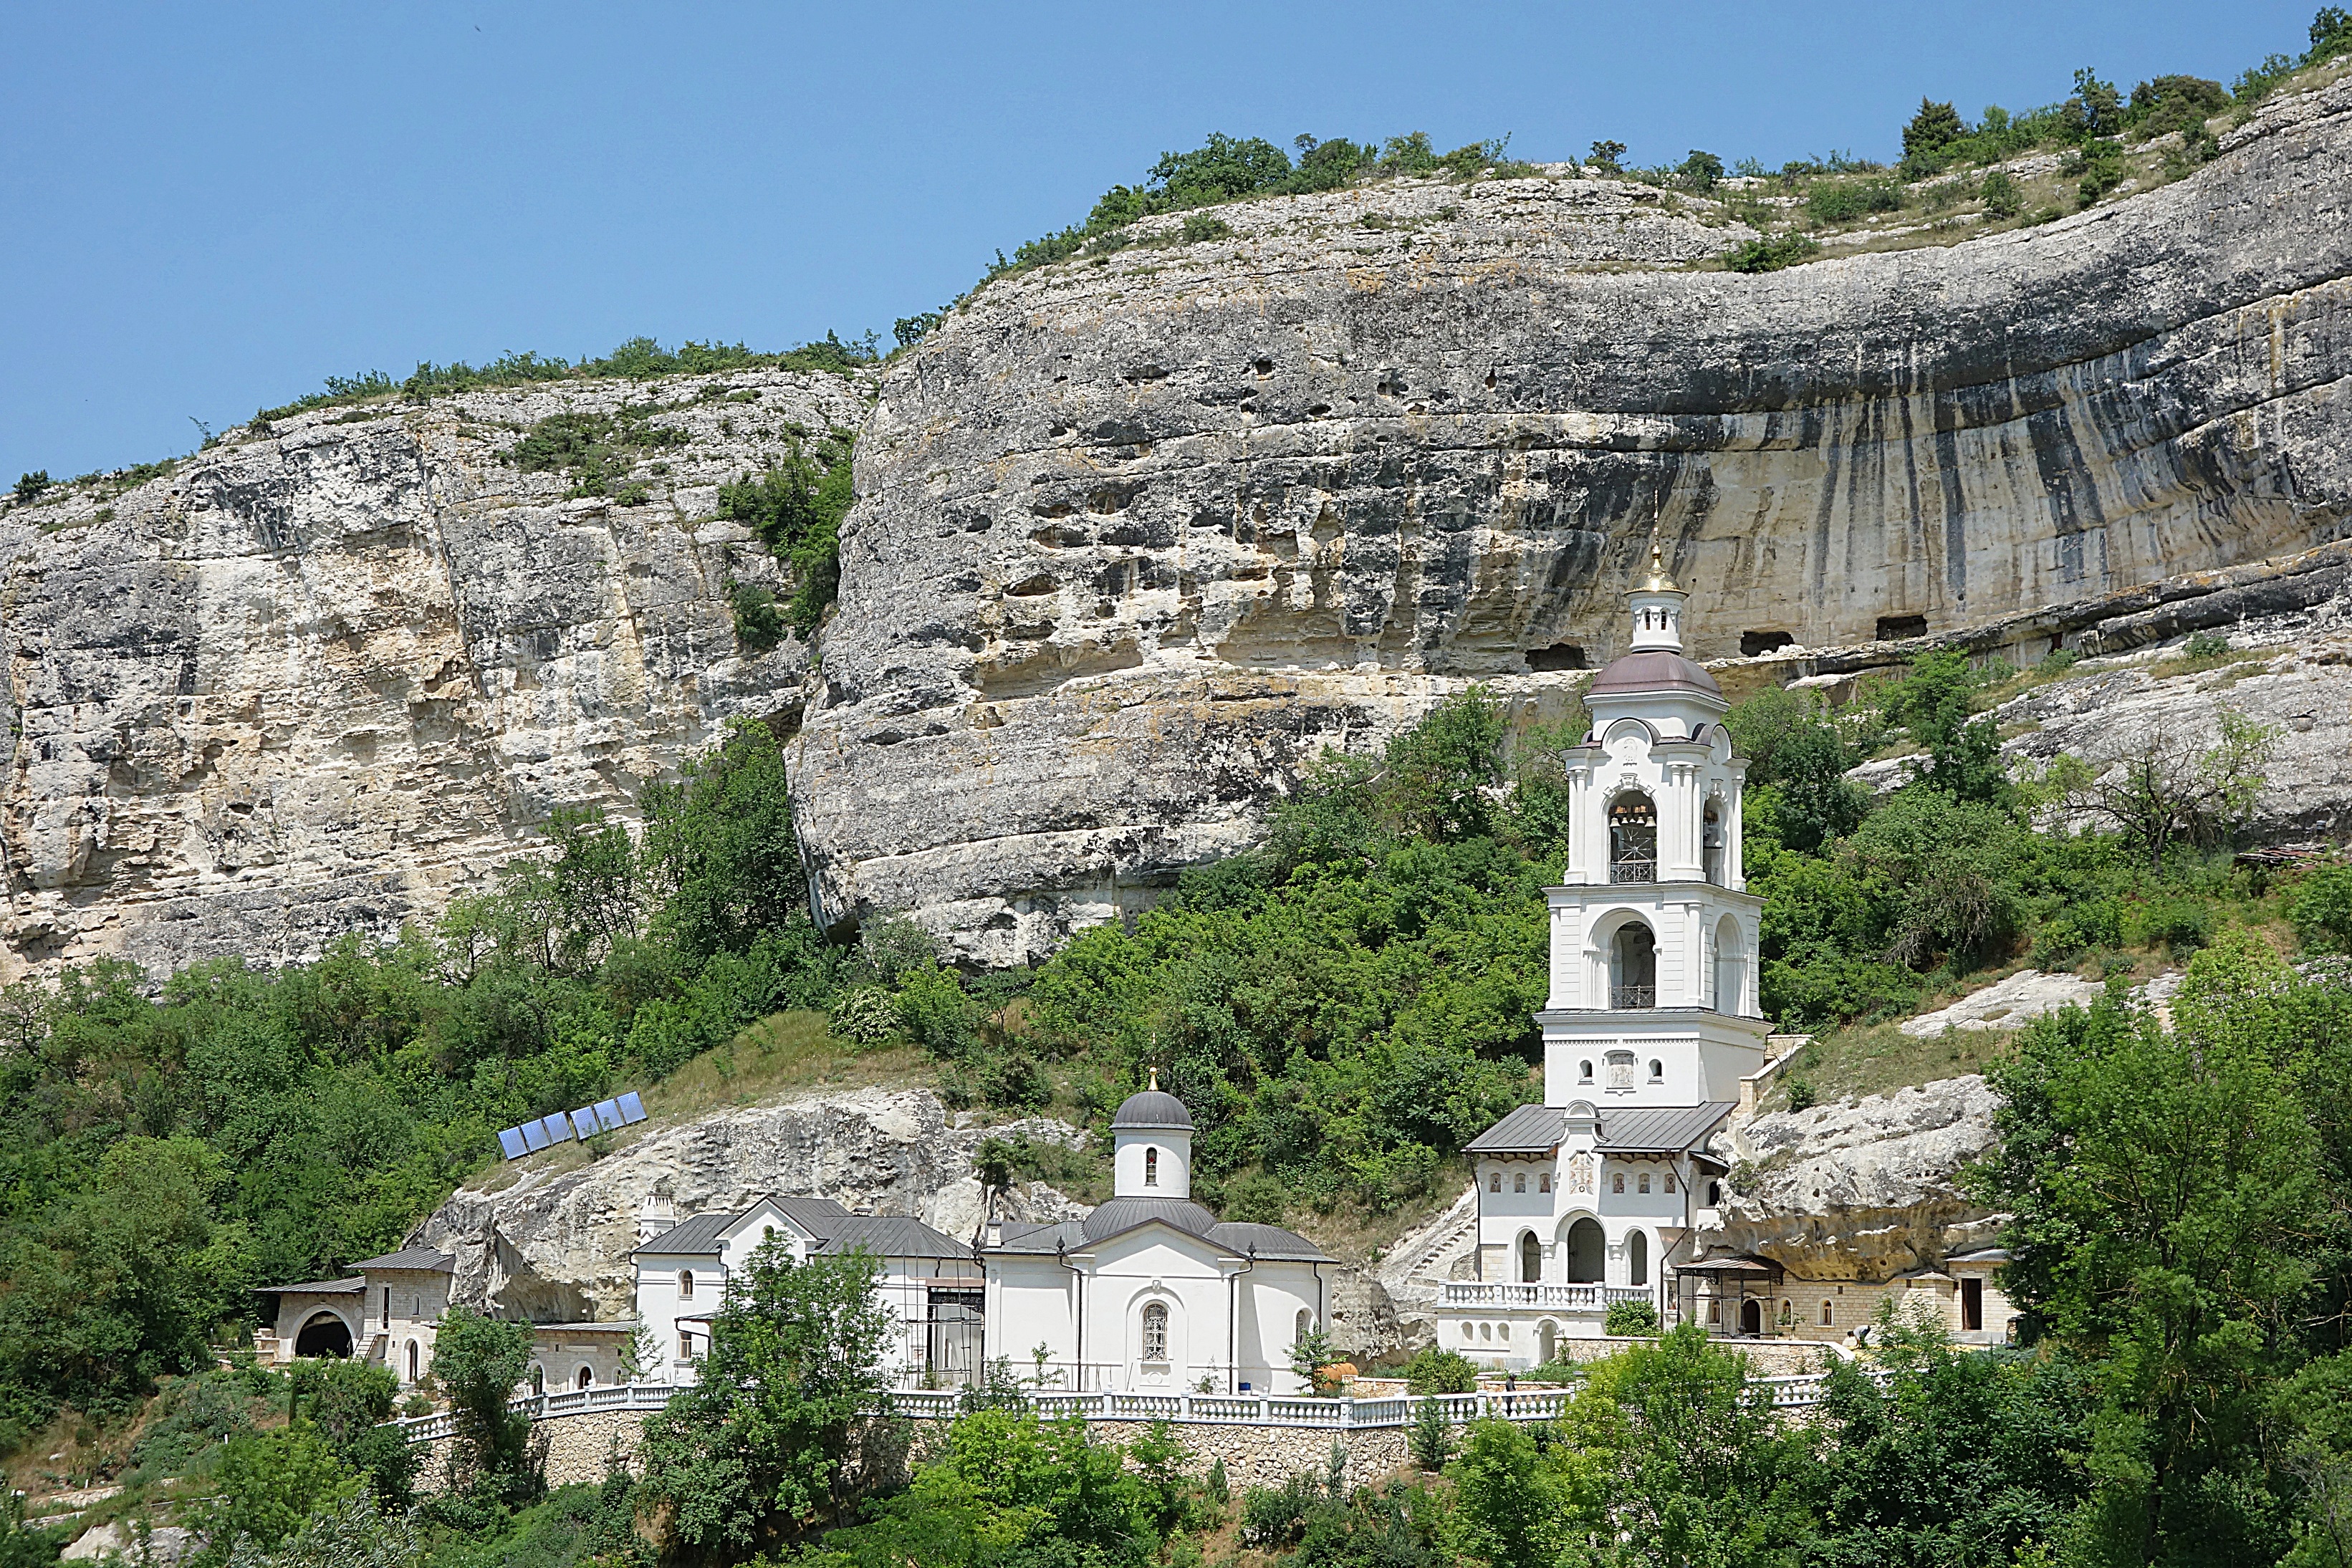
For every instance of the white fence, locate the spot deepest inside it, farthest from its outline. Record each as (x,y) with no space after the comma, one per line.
(1565,1298)
(1187,1410)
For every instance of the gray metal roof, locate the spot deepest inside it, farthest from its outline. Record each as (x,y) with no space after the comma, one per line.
(1151,1108)
(351,1287)
(420,1258)
(834,1228)
(1632,1130)
(1269,1242)
(888,1236)
(1126,1213)
(1658,670)
(1046,1240)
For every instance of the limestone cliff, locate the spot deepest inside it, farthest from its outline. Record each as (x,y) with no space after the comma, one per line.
(322,674)
(553,1245)
(1139,534)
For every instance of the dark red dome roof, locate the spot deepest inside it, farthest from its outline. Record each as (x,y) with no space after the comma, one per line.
(1656,671)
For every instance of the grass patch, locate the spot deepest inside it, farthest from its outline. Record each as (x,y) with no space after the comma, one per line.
(1878,1059)
(781,1053)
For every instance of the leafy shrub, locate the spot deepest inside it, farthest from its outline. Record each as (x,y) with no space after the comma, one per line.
(1802,1095)
(912,329)
(1771,253)
(1199,227)
(2258,82)
(1257,1199)
(1631,1320)
(868,1016)
(1606,156)
(1701,171)
(2169,103)
(30,486)
(2094,111)
(2179,922)
(2331,34)
(2320,907)
(1843,200)
(1275,1517)
(758,627)
(188,1420)
(2103,169)
(2205,645)
(2001,197)
(1016,1081)
(1436,1370)
(1431,1439)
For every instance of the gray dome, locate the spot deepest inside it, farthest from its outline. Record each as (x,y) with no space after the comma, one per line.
(1126,1213)
(1151,1108)
(1655,671)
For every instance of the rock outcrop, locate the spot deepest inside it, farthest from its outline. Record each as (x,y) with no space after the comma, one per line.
(318,677)
(1137,534)
(1863,1190)
(554,1246)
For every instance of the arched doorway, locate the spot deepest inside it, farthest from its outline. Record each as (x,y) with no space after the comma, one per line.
(1530,1258)
(538,1378)
(324,1334)
(586,1379)
(1711,843)
(1588,1253)
(1751,1317)
(1546,1341)
(412,1360)
(1633,966)
(1633,838)
(1637,1258)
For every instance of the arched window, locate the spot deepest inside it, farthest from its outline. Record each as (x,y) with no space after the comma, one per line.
(1543,1181)
(1617,1181)
(1711,843)
(1633,838)
(1494,1182)
(1584,1072)
(1829,1315)
(1469,1332)
(1520,1182)
(1151,1167)
(538,1378)
(1633,974)
(1302,1326)
(1670,1181)
(685,1284)
(1657,1071)
(1637,1258)
(1530,1258)
(1643,1183)
(1730,969)
(586,1379)
(1155,1332)
(412,1360)
(1714,1195)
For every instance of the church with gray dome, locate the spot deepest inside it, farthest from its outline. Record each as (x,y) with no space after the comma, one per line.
(1151,1293)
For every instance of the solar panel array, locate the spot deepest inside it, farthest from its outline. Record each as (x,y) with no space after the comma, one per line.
(563,1126)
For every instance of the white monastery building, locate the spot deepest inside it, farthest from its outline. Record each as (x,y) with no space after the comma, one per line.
(1151,1293)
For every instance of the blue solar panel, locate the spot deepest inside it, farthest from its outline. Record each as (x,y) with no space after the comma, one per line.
(583,1122)
(632,1108)
(558,1127)
(510,1140)
(608,1113)
(534,1134)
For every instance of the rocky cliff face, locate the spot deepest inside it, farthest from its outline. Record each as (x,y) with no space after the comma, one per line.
(318,677)
(1139,535)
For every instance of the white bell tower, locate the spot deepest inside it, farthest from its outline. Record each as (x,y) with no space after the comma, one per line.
(1654,933)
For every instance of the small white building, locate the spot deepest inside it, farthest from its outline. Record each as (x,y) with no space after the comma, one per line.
(1151,1293)
(1592,1197)
(930,1282)
(386,1311)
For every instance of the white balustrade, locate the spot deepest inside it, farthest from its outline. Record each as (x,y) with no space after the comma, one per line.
(1212,1409)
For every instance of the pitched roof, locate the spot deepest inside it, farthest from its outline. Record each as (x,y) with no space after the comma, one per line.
(1630,1129)
(833,1227)
(1040,1239)
(427,1259)
(351,1287)
(1266,1241)
(1270,1241)
(1122,1214)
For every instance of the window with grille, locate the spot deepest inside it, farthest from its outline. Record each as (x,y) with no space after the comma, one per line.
(1633,838)
(1155,1332)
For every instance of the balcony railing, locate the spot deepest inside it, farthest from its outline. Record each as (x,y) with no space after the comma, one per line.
(1622,997)
(1547,1294)
(1634,868)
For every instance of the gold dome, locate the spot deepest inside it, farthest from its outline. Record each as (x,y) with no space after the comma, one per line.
(1659,582)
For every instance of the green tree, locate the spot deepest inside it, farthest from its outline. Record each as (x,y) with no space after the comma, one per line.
(347,1403)
(1936,702)
(1701,171)
(766,1444)
(2170,1216)
(479,1362)
(357,1533)
(1934,128)
(719,853)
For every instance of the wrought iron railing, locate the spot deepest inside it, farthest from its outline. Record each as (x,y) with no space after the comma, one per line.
(1634,868)
(1633,996)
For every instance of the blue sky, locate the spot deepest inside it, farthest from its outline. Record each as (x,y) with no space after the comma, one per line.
(209,209)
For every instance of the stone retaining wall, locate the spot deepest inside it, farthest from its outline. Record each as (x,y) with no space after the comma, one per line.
(582,1448)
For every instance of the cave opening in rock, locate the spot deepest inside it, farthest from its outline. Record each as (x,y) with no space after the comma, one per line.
(324,1334)
(1893,628)
(1558,656)
(1752,644)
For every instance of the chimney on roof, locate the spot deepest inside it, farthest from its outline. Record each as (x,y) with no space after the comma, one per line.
(656,1215)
